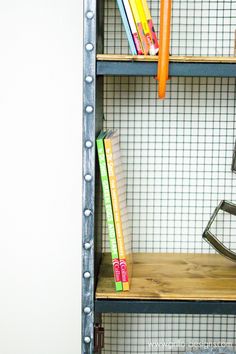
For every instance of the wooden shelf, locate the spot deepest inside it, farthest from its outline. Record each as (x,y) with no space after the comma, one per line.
(179,65)
(173,58)
(175,278)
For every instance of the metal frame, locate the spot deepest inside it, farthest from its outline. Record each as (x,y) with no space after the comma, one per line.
(92,123)
(166,306)
(230,208)
(233,165)
(89,96)
(175,69)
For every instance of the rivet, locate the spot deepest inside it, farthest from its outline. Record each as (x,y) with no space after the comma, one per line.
(89,109)
(89,47)
(88,178)
(87,212)
(87,245)
(87,310)
(87,340)
(87,275)
(88,144)
(89,15)
(89,79)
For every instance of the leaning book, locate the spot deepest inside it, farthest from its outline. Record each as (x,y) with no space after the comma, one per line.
(127,27)
(109,212)
(138,21)
(120,212)
(144,14)
(150,25)
(133,28)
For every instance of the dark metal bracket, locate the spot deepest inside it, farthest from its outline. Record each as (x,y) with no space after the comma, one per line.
(233,165)
(98,338)
(212,239)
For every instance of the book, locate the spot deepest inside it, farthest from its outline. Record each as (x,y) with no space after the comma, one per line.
(151,26)
(109,212)
(151,47)
(118,196)
(126,26)
(133,28)
(140,30)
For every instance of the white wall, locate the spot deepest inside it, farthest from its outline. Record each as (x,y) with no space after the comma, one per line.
(40,175)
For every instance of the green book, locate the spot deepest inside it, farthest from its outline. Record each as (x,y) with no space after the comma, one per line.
(109,212)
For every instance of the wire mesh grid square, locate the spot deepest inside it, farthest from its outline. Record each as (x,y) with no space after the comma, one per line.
(177,154)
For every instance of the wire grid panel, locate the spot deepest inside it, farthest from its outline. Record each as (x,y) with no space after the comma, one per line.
(205,27)
(136,334)
(177,154)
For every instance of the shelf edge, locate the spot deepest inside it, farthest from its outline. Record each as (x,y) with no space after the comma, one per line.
(170,307)
(187,69)
(173,58)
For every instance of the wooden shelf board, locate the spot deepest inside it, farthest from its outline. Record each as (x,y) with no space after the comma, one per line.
(174,58)
(173,276)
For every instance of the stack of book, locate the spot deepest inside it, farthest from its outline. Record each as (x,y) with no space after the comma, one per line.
(138,24)
(114,193)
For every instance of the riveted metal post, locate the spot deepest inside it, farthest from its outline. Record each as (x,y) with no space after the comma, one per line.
(92,123)
(89,111)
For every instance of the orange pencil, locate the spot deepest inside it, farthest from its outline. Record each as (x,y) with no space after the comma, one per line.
(164,45)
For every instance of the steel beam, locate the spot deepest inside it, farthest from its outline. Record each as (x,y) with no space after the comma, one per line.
(120,68)
(168,307)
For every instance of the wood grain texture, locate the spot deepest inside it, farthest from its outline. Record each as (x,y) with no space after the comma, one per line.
(176,276)
(179,59)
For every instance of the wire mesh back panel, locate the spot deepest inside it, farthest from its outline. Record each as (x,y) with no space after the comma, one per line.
(199,27)
(167,333)
(177,154)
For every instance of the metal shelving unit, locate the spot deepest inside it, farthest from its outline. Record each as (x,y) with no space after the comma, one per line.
(95,68)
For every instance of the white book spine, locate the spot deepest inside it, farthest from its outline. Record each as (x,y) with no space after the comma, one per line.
(130,16)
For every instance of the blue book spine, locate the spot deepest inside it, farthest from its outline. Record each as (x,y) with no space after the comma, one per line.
(126,26)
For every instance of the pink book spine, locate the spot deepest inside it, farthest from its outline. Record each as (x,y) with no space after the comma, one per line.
(124,271)
(154,36)
(116,269)
(143,38)
(133,28)
(137,43)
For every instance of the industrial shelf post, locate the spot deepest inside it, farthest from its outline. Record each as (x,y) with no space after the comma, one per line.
(92,123)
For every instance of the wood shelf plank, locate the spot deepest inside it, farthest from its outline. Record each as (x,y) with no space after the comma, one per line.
(178,276)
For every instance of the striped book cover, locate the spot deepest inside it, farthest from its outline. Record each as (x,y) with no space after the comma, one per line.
(118,196)
(140,29)
(109,212)
(147,32)
(150,25)
(133,28)
(127,27)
